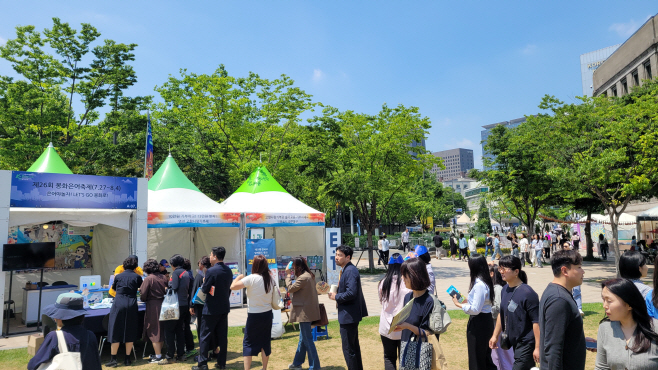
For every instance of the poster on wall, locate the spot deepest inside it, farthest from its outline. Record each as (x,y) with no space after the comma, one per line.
(332,241)
(235,300)
(72,244)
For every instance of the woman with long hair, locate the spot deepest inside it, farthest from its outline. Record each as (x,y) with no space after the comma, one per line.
(633,266)
(628,339)
(305,309)
(502,358)
(519,315)
(391,296)
(258,330)
(480,325)
(515,245)
(417,280)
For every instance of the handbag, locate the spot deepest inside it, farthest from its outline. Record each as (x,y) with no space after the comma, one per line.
(416,354)
(276,299)
(323,320)
(65,359)
(199,297)
(170,309)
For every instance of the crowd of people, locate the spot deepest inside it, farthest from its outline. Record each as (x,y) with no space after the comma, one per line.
(509,325)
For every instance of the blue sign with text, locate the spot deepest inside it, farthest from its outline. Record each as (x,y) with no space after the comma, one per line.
(266,247)
(55,190)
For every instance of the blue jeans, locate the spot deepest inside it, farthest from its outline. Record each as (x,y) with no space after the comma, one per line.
(496,252)
(487,249)
(538,258)
(306,345)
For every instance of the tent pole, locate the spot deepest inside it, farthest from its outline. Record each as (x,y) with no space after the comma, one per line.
(5,193)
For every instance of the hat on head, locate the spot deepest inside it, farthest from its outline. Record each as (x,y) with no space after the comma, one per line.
(410,255)
(393,260)
(420,250)
(164,263)
(67,306)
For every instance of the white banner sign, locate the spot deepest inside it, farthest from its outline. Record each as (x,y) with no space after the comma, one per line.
(332,240)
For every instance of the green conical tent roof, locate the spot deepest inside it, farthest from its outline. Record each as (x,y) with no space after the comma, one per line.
(50,162)
(259,181)
(170,176)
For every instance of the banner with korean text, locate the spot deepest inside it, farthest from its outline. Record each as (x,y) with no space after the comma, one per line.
(332,241)
(284,219)
(192,219)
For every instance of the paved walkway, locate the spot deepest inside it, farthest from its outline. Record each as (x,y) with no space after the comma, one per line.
(447,273)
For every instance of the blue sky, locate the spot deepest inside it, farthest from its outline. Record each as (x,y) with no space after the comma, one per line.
(464,64)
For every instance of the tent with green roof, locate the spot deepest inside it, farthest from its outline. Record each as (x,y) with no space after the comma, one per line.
(50,162)
(181,219)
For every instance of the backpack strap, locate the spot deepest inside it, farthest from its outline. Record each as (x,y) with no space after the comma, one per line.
(181,274)
(61,342)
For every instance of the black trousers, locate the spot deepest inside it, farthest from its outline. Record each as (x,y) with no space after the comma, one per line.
(405,246)
(525,257)
(478,332)
(547,254)
(523,359)
(391,353)
(187,330)
(175,336)
(214,332)
(463,254)
(198,309)
(349,334)
(383,256)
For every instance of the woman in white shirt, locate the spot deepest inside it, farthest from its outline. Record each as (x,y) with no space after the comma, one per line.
(391,295)
(480,325)
(472,244)
(258,330)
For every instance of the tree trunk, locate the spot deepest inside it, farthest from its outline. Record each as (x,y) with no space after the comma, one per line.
(371,261)
(588,235)
(615,240)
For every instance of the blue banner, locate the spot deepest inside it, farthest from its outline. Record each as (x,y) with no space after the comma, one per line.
(54,190)
(266,247)
(148,159)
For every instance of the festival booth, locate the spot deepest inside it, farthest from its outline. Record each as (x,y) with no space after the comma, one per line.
(183,220)
(272,213)
(95,222)
(647,225)
(601,225)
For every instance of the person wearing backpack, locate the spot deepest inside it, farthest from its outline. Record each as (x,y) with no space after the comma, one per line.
(519,316)
(82,353)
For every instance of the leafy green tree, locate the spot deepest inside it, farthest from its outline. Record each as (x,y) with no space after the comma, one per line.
(483,224)
(376,161)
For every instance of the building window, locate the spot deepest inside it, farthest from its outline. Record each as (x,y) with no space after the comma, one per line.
(636,78)
(614,91)
(624,87)
(647,70)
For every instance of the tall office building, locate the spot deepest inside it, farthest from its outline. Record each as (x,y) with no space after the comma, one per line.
(589,62)
(487,131)
(457,162)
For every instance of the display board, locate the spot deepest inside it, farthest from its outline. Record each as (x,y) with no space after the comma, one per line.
(72,244)
(28,256)
(332,241)
(235,300)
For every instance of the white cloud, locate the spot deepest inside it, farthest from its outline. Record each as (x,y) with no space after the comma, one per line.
(529,49)
(318,75)
(463,143)
(625,30)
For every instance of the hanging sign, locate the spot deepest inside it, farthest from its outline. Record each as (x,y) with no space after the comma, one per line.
(192,219)
(56,190)
(332,241)
(284,219)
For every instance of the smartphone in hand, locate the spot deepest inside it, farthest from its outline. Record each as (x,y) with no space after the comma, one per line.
(455,293)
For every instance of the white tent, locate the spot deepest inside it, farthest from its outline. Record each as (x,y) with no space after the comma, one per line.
(463,219)
(297,228)
(183,220)
(601,224)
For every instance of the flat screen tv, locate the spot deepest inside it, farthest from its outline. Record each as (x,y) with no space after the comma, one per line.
(28,256)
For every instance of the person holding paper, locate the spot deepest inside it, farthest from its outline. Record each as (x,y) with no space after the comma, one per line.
(391,295)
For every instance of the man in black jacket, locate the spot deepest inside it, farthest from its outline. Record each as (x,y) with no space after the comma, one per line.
(351,307)
(214,325)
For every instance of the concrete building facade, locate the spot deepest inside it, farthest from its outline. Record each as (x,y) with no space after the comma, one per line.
(487,131)
(633,62)
(589,62)
(461,185)
(457,162)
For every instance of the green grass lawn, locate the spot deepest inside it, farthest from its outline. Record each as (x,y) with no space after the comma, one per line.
(329,350)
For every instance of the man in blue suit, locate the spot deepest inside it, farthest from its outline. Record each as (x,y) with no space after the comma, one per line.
(351,307)
(214,326)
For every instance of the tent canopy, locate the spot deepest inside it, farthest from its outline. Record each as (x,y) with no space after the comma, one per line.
(170,176)
(463,219)
(50,162)
(261,193)
(624,218)
(648,215)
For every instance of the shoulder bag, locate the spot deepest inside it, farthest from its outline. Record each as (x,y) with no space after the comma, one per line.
(324,320)
(65,359)
(276,298)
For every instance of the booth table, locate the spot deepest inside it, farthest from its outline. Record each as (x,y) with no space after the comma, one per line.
(31,300)
(94,319)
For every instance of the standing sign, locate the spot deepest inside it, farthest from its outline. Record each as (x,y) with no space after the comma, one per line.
(55,190)
(332,241)
(267,248)
(235,300)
